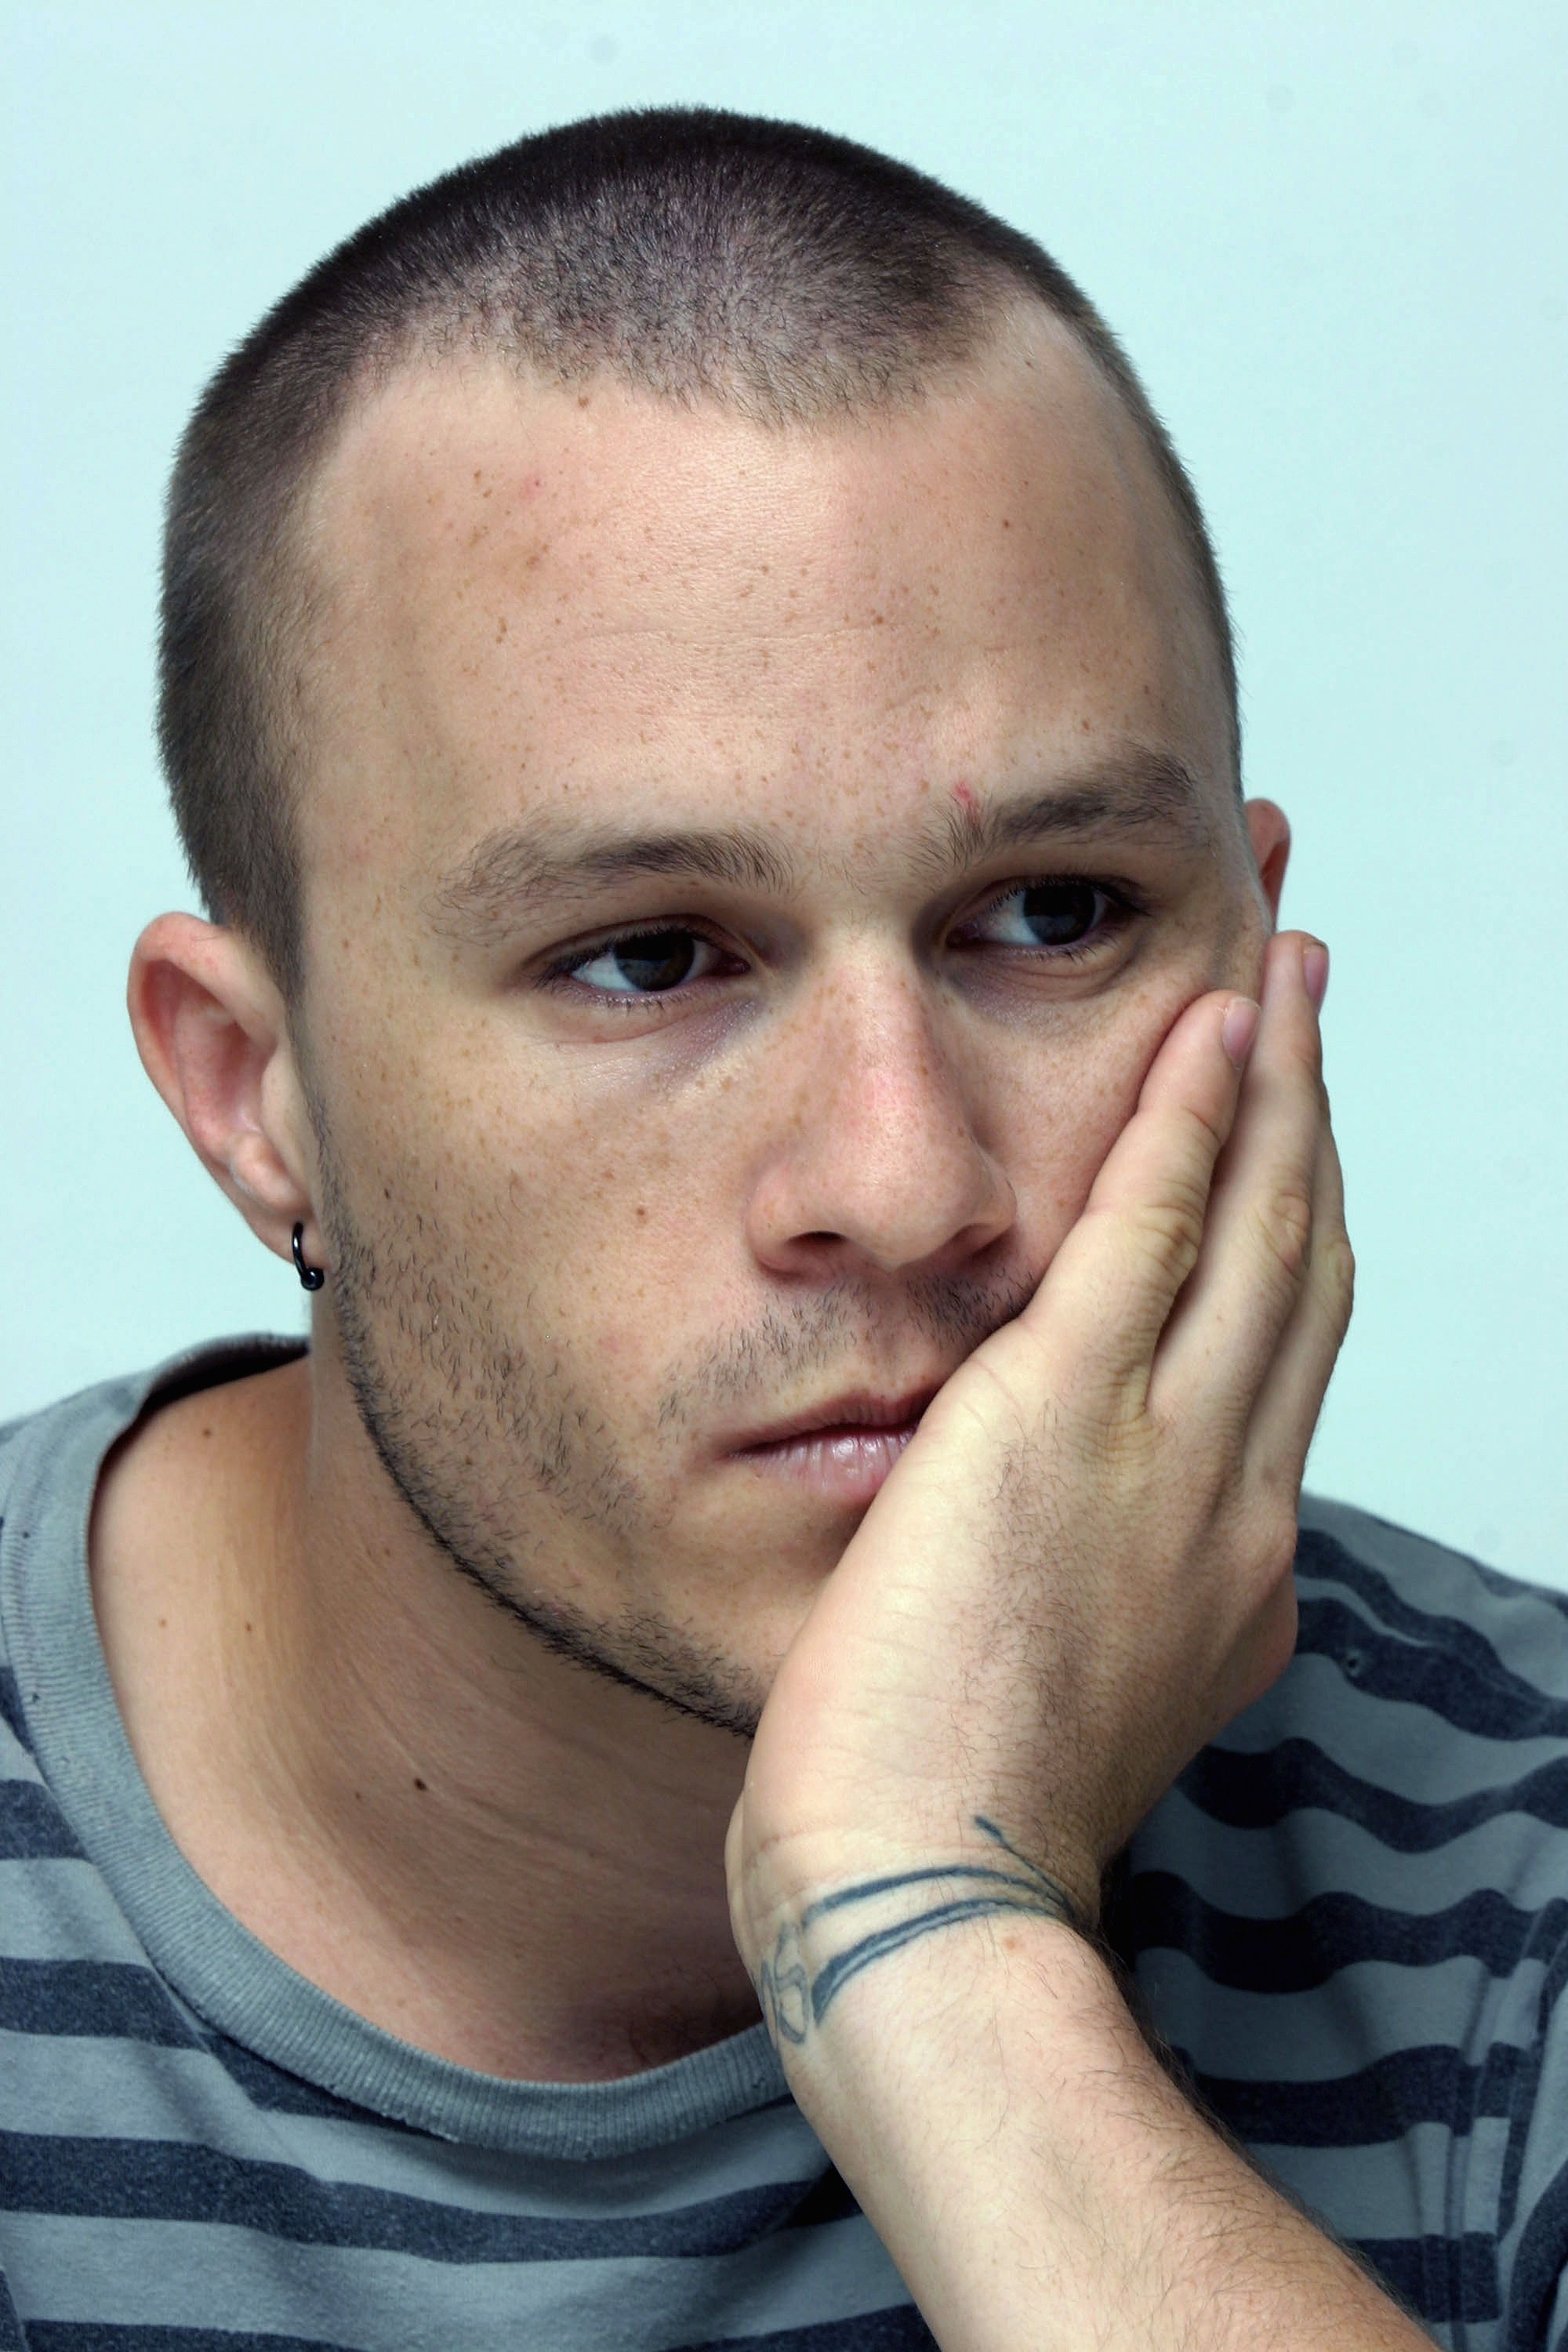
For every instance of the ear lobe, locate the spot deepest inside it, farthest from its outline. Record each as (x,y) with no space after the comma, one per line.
(213,1034)
(1268,830)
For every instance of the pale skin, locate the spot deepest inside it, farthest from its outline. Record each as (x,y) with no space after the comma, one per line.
(620,1248)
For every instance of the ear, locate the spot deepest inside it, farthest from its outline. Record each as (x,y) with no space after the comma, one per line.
(1268,830)
(213,1032)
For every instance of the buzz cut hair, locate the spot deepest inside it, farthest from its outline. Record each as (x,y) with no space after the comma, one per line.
(707,257)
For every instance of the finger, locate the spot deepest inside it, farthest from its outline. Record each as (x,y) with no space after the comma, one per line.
(1291,1397)
(1107,1293)
(1222,1338)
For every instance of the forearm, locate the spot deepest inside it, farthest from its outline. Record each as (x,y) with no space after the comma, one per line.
(1078,1570)
(1036,2176)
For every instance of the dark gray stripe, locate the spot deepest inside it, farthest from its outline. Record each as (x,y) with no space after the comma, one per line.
(277,2093)
(168,2180)
(1322,1556)
(1256,1792)
(1556,1977)
(1539,2263)
(1474,1692)
(205,2274)
(1300,1952)
(1267,1875)
(93,2336)
(1440,2279)
(1379,2102)
(11,1700)
(1415,1755)
(91,1997)
(899,2330)
(32,1826)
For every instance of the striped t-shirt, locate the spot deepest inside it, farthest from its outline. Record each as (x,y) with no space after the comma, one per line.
(1348,1918)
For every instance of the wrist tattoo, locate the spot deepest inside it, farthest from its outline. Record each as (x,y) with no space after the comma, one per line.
(836,1937)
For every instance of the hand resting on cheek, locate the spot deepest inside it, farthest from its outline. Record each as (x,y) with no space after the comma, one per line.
(1076,1574)
(1079,1571)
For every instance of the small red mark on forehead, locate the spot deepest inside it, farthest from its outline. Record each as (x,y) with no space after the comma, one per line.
(964,795)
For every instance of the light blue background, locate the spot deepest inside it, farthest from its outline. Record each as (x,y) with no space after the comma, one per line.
(1333,239)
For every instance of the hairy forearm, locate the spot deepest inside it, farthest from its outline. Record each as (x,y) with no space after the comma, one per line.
(1036,2174)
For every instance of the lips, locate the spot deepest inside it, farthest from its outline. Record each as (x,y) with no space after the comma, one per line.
(860,1418)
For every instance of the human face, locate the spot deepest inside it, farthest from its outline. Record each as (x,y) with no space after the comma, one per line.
(750,872)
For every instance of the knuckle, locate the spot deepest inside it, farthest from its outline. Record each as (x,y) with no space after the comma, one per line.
(1204,1130)
(1336,1270)
(1282,1221)
(1276,1546)
(1262,1547)
(1167,1233)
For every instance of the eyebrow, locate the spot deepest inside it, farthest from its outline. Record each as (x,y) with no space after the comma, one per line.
(509,872)
(513,871)
(1136,791)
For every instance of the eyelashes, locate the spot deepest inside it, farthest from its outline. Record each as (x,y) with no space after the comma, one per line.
(1063,915)
(646,963)
(1051,919)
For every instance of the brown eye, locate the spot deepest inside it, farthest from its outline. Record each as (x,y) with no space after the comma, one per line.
(1061,914)
(657,960)
(646,963)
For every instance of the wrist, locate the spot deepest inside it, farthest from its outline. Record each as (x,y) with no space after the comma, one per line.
(921,2055)
(1004,2124)
(808,1950)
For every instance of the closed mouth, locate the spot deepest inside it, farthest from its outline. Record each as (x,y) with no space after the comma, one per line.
(849,1428)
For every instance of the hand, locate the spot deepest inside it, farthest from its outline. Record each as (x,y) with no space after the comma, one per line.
(1080,1568)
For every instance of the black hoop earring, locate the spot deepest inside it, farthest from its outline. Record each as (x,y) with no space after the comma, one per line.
(310,1276)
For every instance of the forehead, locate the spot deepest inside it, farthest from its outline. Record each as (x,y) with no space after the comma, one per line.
(537,597)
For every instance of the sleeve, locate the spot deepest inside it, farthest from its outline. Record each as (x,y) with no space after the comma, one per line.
(1533,2211)
(12,2339)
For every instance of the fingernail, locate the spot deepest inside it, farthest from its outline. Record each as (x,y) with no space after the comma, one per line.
(1315,972)
(1239,1029)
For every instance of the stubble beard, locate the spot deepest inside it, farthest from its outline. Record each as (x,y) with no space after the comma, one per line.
(466,1421)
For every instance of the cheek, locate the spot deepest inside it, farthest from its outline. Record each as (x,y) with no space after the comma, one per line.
(581,1212)
(1061,1105)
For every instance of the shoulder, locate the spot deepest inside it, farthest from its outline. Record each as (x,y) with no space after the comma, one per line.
(50,1465)
(1426,1703)
(1350,1916)
(1420,1670)
(38,1449)
(33,1446)
(1410,1765)
(1433,1612)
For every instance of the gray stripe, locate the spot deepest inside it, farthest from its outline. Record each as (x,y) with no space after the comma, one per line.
(1361,2195)
(15,1761)
(61,1910)
(119,2090)
(1392,1743)
(1526,1628)
(1269,1873)
(1364,2013)
(203,2275)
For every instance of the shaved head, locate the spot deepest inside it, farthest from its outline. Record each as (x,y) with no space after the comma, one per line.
(795,278)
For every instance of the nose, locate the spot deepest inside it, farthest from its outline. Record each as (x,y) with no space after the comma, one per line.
(874,1156)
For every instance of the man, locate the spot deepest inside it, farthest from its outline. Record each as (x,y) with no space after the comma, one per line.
(701,708)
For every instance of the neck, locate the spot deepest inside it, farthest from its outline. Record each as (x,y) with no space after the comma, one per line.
(484,1848)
